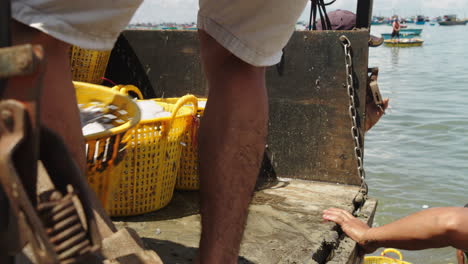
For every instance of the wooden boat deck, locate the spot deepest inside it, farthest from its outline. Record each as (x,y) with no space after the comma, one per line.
(284,225)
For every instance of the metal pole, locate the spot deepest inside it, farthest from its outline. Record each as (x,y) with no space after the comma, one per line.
(5,15)
(5,34)
(364,13)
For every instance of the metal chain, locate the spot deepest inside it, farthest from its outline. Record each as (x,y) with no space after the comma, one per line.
(354,115)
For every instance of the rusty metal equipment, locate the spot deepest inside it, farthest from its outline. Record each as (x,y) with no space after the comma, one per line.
(373,89)
(51,224)
(47,213)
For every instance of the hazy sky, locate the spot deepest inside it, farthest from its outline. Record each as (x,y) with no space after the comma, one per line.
(186,10)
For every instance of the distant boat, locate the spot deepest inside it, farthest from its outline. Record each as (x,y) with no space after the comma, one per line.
(451,20)
(378,20)
(420,20)
(453,23)
(415,31)
(403,35)
(190,27)
(414,42)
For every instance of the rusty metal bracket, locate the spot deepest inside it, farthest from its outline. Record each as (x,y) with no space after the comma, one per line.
(373,89)
(18,60)
(11,134)
(58,236)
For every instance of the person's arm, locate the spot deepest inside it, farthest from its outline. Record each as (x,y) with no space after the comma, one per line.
(431,228)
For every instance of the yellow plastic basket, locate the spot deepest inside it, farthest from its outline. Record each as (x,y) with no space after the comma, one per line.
(150,168)
(88,65)
(382,259)
(105,150)
(188,177)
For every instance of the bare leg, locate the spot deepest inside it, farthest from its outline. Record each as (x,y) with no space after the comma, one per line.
(59,109)
(232,141)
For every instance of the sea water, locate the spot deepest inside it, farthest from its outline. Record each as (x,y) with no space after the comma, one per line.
(416,157)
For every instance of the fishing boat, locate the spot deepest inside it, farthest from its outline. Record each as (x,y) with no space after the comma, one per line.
(414,42)
(420,20)
(285,223)
(451,20)
(378,20)
(408,20)
(402,35)
(453,23)
(321,180)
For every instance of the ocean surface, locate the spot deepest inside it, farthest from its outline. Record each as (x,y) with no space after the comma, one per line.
(416,157)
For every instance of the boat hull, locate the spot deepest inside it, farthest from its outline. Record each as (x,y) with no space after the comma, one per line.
(453,23)
(386,36)
(415,31)
(403,42)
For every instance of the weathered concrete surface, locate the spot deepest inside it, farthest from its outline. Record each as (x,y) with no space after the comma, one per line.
(347,251)
(284,225)
(310,128)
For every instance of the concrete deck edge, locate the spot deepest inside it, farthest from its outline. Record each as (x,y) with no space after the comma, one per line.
(347,250)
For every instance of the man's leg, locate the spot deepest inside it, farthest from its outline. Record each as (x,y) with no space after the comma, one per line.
(59,109)
(232,141)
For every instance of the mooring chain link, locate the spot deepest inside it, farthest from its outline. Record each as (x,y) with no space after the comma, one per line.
(354,113)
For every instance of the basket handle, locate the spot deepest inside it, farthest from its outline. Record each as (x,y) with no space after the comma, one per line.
(189,98)
(392,250)
(124,89)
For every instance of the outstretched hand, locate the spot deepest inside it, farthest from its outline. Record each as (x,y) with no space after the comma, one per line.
(353,227)
(374,113)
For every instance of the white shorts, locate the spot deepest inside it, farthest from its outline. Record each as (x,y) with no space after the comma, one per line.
(254,30)
(90,24)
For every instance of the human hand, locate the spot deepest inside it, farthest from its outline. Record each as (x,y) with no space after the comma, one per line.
(353,227)
(374,113)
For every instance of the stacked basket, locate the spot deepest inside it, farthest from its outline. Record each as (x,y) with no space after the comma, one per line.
(88,65)
(105,150)
(140,174)
(152,162)
(188,176)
